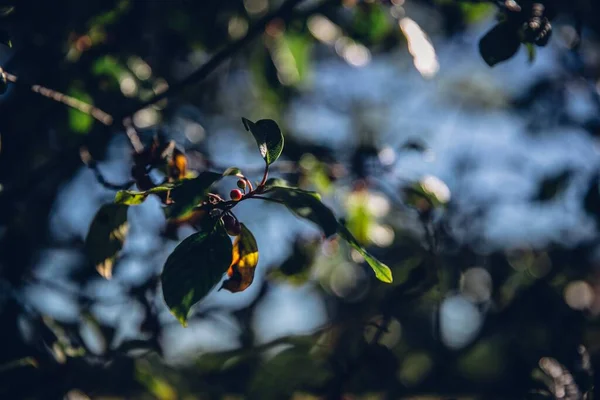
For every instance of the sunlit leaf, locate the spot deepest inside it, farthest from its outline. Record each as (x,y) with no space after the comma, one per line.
(307,205)
(359,219)
(133,197)
(195,266)
(499,44)
(382,271)
(243,262)
(106,237)
(268,136)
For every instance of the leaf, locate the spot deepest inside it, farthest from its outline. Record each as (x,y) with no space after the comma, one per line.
(5,38)
(79,121)
(499,44)
(106,237)
(6,11)
(382,271)
(182,195)
(268,137)
(553,185)
(305,204)
(195,266)
(243,262)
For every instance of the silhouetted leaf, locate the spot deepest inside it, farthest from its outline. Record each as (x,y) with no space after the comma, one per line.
(195,266)
(3,83)
(268,137)
(499,44)
(243,262)
(307,205)
(552,186)
(5,38)
(106,237)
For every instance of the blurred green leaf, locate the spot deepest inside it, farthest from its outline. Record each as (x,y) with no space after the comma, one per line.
(78,121)
(195,266)
(359,219)
(156,385)
(268,136)
(6,10)
(106,237)
(291,370)
(499,44)
(382,271)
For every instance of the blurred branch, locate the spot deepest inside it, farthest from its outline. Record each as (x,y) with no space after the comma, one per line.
(285,13)
(69,101)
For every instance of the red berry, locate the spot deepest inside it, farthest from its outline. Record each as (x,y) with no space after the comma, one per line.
(232,226)
(236,195)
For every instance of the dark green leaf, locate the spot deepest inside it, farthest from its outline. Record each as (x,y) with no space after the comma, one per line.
(190,192)
(5,38)
(183,195)
(307,205)
(382,271)
(268,137)
(106,237)
(499,44)
(195,266)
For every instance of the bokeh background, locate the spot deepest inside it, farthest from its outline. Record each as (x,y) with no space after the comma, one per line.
(478,186)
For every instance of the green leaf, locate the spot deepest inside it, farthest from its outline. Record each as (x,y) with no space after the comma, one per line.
(305,204)
(195,266)
(499,44)
(382,271)
(80,122)
(5,38)
(134,198)
(106,237)
(268,137)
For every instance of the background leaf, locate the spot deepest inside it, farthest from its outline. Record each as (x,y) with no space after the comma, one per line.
(499,44)
(268,136)
(243,263)
(307,205)
(382,271)
(106,236)
(195,266)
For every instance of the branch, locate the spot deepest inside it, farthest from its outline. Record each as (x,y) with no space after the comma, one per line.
(284,13)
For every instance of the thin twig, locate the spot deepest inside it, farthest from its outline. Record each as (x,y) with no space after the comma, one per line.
(69,101)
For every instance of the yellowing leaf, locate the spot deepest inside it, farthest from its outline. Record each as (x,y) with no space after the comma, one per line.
(243,262)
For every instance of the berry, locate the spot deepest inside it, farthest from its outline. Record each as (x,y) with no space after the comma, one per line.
(232,225)
(236,195)
(241,184)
